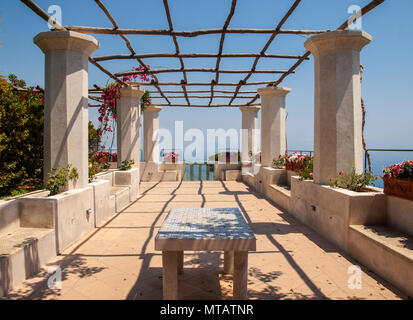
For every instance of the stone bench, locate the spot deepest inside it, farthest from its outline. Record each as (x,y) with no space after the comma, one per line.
(27,241)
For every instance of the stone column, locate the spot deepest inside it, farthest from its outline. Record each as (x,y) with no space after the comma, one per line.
(273,128)
(128,124)
(337,102)
(150,133)
(249,129)
(66,101)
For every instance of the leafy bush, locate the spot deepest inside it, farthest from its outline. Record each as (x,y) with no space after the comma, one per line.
(126,165)
(353,181)
(58,179)
(21,137)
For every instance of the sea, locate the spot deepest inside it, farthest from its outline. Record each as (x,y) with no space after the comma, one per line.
(379,160)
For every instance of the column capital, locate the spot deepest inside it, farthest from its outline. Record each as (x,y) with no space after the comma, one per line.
(274,91)
(132,91)
(66,40)
(152,108)
(338,40)
(250,109)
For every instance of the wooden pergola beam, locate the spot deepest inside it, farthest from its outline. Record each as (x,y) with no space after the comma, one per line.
(194,55)
(206,83)
(45,16)
(192,33)
(266,46)
(370,6)
(129,73)
(202,97)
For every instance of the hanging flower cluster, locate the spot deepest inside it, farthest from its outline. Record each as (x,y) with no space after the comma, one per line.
(107,112)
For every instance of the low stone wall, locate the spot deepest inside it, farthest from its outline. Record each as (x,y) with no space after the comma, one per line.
(70,213)
(400,214)
(101,199)
(331,211)
(152,171)
(10,210)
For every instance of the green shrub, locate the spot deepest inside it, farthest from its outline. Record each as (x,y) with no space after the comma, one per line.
(59,178)
(21,137)
(126,165)
(353,181)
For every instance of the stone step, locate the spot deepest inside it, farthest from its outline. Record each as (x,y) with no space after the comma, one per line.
(386,251)
(122,196)
(23,252)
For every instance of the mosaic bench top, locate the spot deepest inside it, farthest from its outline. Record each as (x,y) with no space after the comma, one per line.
(205,229)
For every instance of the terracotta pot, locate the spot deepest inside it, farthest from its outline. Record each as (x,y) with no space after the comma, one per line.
(402,188)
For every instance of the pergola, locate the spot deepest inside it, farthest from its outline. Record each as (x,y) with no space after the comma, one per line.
(337,117)
(234,91)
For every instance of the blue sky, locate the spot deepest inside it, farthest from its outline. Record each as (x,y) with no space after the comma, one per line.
(387,82)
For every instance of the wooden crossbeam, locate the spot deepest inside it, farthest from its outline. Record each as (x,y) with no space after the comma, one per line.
(266,46)
(193,33)
(181,61)
(128,73)
(45,16)
(370,6)
(202,97)
(221,47)
(195,55)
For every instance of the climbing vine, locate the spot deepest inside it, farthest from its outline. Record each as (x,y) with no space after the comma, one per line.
(108,112)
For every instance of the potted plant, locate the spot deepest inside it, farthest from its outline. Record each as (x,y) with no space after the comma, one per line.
(114,157)
(171,157)
(398,180)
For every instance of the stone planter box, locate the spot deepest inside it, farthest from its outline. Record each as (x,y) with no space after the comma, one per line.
(128,178)
(70,213)
(330,211)
(397,187)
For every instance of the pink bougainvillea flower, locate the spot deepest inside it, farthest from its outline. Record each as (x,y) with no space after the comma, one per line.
(340,172)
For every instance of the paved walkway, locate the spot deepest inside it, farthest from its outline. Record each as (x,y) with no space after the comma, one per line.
(118,261)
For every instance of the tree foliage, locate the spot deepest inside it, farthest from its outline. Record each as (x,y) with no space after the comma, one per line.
(21,136)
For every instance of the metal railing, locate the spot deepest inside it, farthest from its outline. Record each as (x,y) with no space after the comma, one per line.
(309,152)
(194,171)
(382,150)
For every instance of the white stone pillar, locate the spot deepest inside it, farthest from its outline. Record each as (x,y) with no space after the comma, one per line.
(273,123)
(150,133)
(66,101)
(249,132)
(128,124)
(337,102)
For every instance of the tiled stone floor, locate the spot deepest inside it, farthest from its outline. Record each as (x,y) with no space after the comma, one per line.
(118,261)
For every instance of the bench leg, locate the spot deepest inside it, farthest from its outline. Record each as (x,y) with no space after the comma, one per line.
(170,275)
(228,262)
(180,262)
(240,275)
